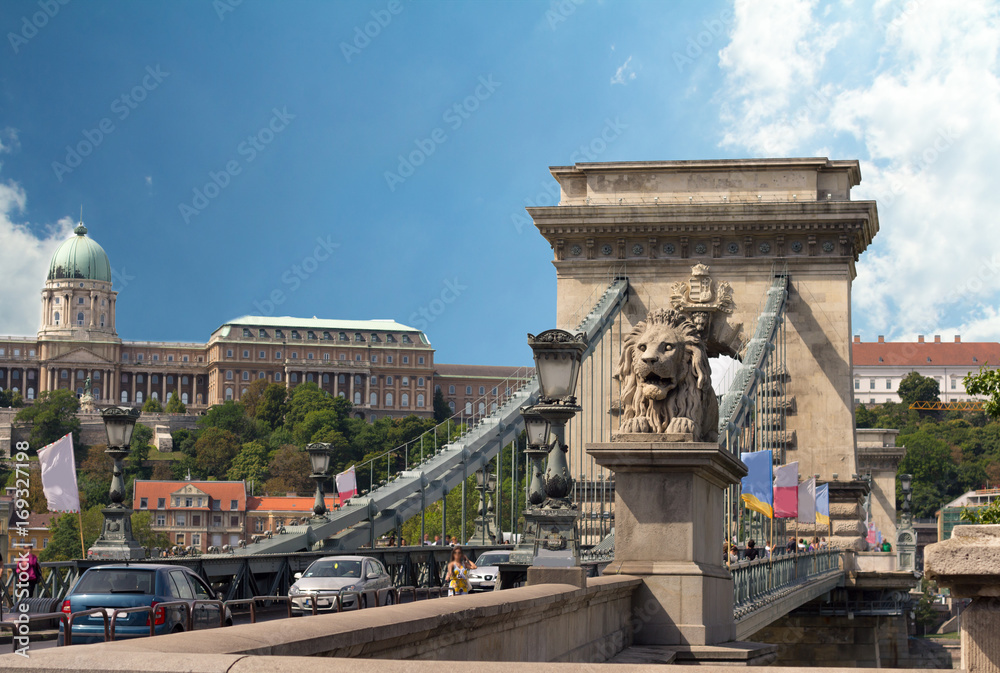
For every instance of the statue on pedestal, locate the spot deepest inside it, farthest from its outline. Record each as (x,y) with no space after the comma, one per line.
(87,400)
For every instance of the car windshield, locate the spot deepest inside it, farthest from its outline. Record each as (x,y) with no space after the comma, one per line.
(334,569)
(492,559)
(111,581)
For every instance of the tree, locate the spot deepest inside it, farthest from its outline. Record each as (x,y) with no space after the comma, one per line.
(271,407)
(917,388)
(37,503)
(441,409)
(142,531)
(65,542)
(307,397)
(11,398)
(290,470)
(988,514)
(174,404)
(864,418)
(250,464)
(152,406)
(250,399)
(986,382)
(215,450)
(52,416)
(229,416)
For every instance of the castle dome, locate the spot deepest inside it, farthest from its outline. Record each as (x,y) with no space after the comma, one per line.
(80,258)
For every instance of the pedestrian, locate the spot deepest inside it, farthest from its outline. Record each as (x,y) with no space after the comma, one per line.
(886,546)
(751,552)
(427,540)
(791,547)
(437,540)
(28,563)
(457,576)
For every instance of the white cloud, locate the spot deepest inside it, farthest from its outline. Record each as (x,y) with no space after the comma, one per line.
(149,180)
(624,73)
(24,257)
(919,105)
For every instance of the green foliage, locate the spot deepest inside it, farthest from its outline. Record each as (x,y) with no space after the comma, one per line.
(152,406)
(231,417)
(289,470)
(142,530)
(988,514)
(142,438)
(10,398)
(65,542)
(986,382)
(174,404)
(250,463)
(441,409)
(864,418)
(272,406)
(51,416)
(215,450)
(917,388)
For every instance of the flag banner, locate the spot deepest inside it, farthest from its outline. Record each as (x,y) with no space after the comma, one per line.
(807,501)
(872,534)
(758,489)
(347,484)
(823,505)
(786,491)
(59,475)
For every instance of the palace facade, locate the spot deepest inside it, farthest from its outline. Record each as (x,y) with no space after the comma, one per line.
(384,368)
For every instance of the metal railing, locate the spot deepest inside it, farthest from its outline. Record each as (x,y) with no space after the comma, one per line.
(14,626)
(763,581)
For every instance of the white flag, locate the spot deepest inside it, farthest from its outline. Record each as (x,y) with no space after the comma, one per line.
(347,484)
(59,475)
(807,501)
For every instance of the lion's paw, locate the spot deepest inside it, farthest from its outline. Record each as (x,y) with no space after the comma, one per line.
(638,424)
(681,425)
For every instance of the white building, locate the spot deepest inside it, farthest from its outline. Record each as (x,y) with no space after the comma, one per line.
(880,366)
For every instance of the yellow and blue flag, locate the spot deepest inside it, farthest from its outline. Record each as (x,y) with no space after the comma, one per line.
(823,504)
(758,489)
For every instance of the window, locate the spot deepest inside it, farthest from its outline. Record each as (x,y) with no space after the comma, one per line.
(327,336)
(234,521)
(161,503)
(494,391)
(262,333)
(196,539)
(388,380)
(156,358)
(279,334)
(79,318)
(57,317)
(170,379)
(311,335)
(482,407)
(180,520)
(102,320)
(420,359)
(404,400)
(246,376)
(246,333)
(390,338)
(217,520)
(188,502)
(124,357)
(277,355)
(138,397)
(261,355)
(953,383)
(293,377)
(888,384)
(170,358)
(196,519)
(388,359)
(309,377)
(872,401)
(406,339)
(143,503)
(139,357)
(406,380)
(124,397)
(437,389)
(871,384)
(374,358)
(295,355)
(341,357)
(468,407)
(234,505)
(342,336)
(229,352)
(79,375)
(451,390)
(857,384)
(420,381)
(375,338)
(451,405)
(309,356)
(184,380)
(373,399)
(468,390)
(295,334)
(406,359)
(161,520)
(57,300)
(326,357)
(357,380)
(246,353)
(229,375)
(326,378)
(229,393)
(388,399)
(155,396)
(184,398)
(357,358)
(357,397)
(277,377)
(420,401)
(358,337)
(341,379)
(80,300)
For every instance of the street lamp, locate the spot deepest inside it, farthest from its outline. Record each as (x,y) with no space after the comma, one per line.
(116,541)
(906,537)
(557,355)
(486,482)
(319,457)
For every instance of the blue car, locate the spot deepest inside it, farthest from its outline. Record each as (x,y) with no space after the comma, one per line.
(114,587)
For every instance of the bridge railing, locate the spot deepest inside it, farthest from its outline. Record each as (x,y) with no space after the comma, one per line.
(764,580)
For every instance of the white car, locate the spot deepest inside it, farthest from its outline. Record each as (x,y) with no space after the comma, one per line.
(329,574)
(485,576)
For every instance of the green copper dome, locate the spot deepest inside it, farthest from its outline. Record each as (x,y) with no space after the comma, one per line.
(80,258)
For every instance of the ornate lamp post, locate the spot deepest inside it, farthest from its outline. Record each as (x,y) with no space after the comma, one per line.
(116,541)
(906,537)
(486,482)
(551,535)
(319,457)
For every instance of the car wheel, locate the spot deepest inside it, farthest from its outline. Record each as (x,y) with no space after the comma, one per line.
(178,629)
(229,622)
(390,599)
(364,601)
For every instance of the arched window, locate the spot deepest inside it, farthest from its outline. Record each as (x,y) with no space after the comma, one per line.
(357,379)
(309,377)
(493,407)
(420,401)
(357,398)
(451,405)
(341,394)
(388,380)
(243,392)
(138,378)
(102,320)
(57,317)
(404,400)
(124,396)
(482,407)
(15,374)
(246,376)
(293,377)
(229,375)
(170,380)
(229,393)
(326,378)
(79,318)
(124,378)
(468,407)
(341,379)
(31,393)
(184,398)
(138,397)
(63,374)
(373,399)
(277,376)
(388,399)
(184,380)
(155,396)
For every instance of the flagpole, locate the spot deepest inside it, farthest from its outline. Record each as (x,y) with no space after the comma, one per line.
(83,549)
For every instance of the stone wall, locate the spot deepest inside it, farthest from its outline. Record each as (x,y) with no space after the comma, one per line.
(805,640)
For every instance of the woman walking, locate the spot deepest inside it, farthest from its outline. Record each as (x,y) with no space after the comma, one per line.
(457,576)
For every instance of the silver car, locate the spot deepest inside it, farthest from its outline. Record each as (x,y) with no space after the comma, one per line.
(332,574)
(484,577)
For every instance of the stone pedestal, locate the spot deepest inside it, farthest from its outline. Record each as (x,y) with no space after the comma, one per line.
(669,532)
(969,565)
(847,515)
(575,575)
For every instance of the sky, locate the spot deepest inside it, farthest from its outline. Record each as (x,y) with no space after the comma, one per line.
(364,160)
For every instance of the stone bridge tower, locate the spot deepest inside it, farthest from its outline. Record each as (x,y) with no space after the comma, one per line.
(742,219)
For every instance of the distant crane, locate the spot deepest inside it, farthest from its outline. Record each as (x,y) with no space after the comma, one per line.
(961,405)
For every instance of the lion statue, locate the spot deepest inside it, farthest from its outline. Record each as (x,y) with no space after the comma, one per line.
(666,380)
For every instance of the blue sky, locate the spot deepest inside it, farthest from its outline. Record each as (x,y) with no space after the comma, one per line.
(302,123)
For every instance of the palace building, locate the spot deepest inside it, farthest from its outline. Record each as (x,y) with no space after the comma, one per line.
(384,368)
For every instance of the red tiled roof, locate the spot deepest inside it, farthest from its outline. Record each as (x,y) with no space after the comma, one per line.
(910,354)
(480,371)
(223,491)
(287,503)
(43,520)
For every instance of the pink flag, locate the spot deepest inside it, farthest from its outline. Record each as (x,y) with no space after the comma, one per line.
(347,484)
(786,491)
